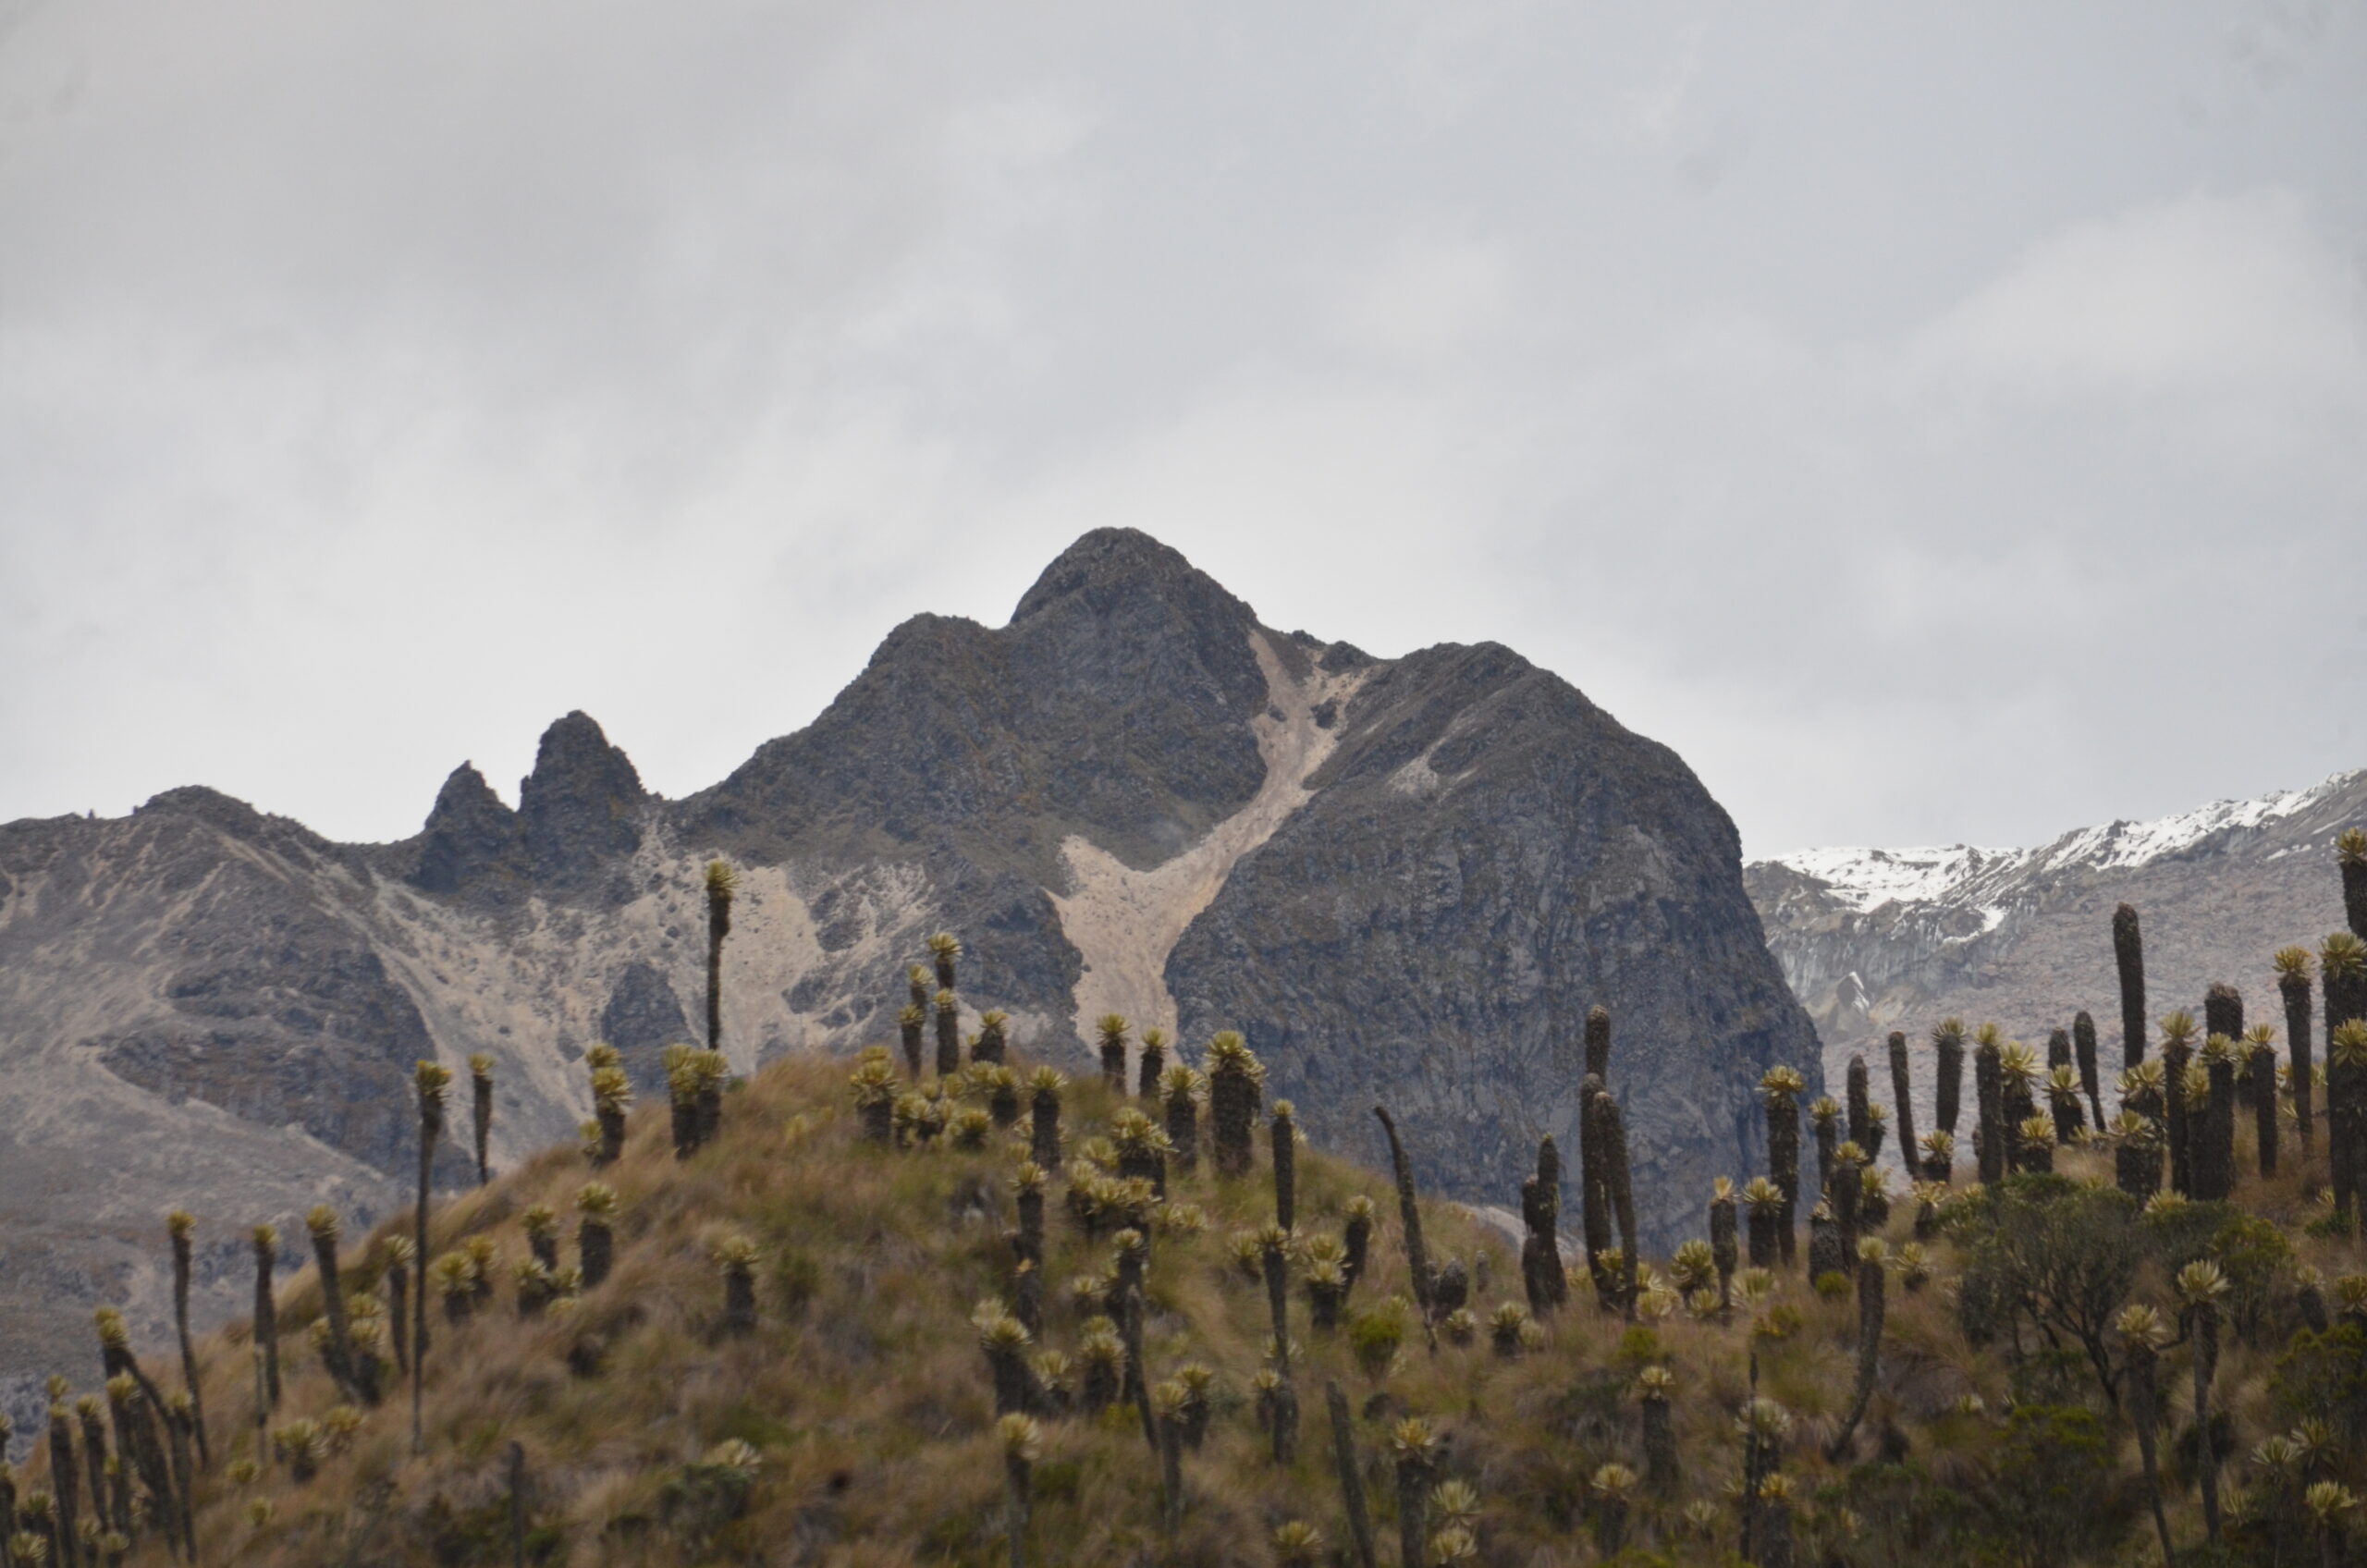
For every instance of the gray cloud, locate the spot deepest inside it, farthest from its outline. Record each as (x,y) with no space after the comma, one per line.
(1933,428)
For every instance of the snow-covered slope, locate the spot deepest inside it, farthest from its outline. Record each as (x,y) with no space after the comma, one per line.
(1876,939)
(1865,879)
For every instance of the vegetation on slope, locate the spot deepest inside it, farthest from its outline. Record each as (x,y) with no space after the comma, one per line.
(893,1316)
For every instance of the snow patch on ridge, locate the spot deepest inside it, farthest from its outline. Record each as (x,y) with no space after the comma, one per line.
(1865,878)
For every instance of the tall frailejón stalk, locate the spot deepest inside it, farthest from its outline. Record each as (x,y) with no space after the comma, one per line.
(1843,1196)
(874,1085)
(2083,1051)
(1044,1087)
(433,1081)
(1872,1259)
(2342,980)
(2017,1085)
(944,949)
(1234,1075)
(2223,1011)
(1355,1239)
(1542,1278)
(1179,1090)
(2063,1099)
(65,1475)
(2214,1129)
(2139,1132)
(266,1316)
(1110,1030)
(1860,1099)
(1414,1445)
(1284,1142)
(1782,1087)
(1022,1442)
(2201,1286)
(1765,1202)
(1725,1254)
(2142,1334)
(480,1113)
(1948,1093)
(2346,1114)
(2178,1055)
(2058,1053)
(1344,1466)
(180,1227)
(2259,1075)
(720,883)
(735,1259)
(611,1100)
(948,1007)
(1418,1261)
(1902,1095)
(910,1024)
(1274,1262)
(2128,958)
(2293,973)
(1613,1129)
(1594,1189)
(596,1240)
(400,1256)
(2033,1145)
(2350,852)
(337,1349)
(1989,1094)
(1153,1064)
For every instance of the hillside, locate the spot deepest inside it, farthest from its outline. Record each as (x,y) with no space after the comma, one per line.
(1874,939)
(842,1408)
(1408,876)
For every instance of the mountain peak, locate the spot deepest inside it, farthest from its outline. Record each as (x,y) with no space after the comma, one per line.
(580,805)
(1109,565)
(469,834)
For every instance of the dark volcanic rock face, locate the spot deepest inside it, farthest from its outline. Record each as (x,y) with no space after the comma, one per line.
(581,807)
(310,1033)
(1116,703)
(472,843)
(1487,856)
(1405,880)
(644,1016)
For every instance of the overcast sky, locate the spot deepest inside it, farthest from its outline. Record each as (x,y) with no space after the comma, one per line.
(1937,422)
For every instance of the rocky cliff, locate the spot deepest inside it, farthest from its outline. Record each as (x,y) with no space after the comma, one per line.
(1872,940)
(1403,879)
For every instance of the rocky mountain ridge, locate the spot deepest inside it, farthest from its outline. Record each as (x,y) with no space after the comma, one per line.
(1875,939)
(1403,879)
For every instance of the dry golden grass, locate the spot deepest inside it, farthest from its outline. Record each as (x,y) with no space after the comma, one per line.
(866,1395)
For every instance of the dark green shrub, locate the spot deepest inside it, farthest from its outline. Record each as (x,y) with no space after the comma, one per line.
(1640,1347)
(2053,1260)
(2325,1376)
(1904,1515)
(2052,1491)
(2251,1253)
(1374,1338)
(701,1499)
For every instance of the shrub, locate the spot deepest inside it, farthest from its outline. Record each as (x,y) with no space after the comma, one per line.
(2324,1376)
(1374,1337)
(2052,1492)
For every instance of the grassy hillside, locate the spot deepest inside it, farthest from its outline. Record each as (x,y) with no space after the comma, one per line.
(856,1423)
